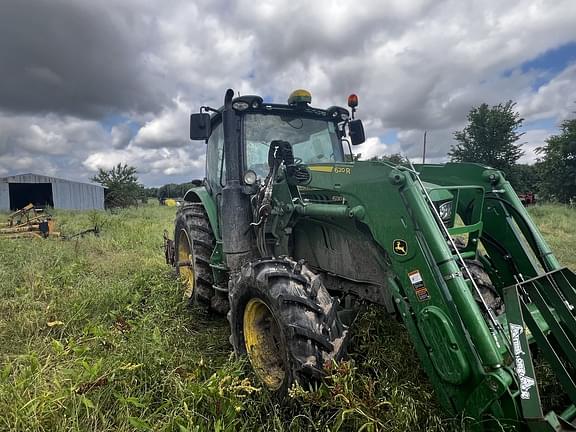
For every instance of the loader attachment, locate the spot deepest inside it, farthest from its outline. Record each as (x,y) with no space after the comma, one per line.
(541,318)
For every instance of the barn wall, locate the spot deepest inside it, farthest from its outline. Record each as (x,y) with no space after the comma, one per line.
(81,196)
(4,196)
(66,194)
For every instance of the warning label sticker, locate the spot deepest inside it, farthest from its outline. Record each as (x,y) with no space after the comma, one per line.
(418,285)
(415,277)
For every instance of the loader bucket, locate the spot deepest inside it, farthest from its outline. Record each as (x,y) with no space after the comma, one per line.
(541,316)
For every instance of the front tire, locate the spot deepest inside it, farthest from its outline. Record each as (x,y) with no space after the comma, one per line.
(193,246)
(283,318)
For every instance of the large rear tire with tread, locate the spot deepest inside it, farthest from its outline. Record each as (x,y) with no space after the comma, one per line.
(490,295)
(487,290)
(284,319)
(193,245)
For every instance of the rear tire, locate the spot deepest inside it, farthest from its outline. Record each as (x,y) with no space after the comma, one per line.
(284,319)
(489,293)
(193,246)
(486,287)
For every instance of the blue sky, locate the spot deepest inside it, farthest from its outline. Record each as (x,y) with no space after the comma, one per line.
(554,60)
(111,120)
(547,65)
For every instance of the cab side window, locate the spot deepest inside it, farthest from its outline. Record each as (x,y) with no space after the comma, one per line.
(215,158)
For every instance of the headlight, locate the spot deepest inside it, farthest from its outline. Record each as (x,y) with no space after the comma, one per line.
(240,105)
(445,211)
(250,177)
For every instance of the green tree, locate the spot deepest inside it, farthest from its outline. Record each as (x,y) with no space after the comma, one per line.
(122,185)
(167,191)
(173,190)
(151,192)
(526,178)
(394,158)
(558,165)
(490,138)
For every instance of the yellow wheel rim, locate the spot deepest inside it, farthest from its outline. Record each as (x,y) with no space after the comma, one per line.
(186,272)
(263,344)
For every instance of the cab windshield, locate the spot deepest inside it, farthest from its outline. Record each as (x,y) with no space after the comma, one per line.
(313,140)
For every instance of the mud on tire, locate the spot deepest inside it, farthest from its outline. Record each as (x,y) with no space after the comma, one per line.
(193,233)
(284,319)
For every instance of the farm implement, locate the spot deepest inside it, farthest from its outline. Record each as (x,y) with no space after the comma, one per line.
(28,222)
(289,236)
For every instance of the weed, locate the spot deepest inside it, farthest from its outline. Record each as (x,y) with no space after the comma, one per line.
(94,336)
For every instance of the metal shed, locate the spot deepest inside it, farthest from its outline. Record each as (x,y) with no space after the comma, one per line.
(19,190)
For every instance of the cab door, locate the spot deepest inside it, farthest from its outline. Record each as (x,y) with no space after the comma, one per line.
(215,166)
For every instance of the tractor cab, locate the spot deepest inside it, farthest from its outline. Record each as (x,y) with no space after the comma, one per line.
(317,136)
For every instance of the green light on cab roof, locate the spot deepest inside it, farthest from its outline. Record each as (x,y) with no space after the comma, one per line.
(299,96)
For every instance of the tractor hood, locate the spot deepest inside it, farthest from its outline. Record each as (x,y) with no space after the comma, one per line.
(347,176)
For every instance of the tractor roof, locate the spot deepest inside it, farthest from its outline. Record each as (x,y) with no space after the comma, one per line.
(255,104)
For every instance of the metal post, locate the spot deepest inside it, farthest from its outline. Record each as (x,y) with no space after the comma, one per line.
(424,149)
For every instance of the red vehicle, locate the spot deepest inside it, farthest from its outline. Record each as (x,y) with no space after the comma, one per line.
(527,198)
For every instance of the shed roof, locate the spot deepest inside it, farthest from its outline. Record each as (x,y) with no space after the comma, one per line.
(40,178)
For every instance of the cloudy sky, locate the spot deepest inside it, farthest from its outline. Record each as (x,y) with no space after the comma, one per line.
(88,84)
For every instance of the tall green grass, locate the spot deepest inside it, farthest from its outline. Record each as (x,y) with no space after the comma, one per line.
(94,336)
(558,225)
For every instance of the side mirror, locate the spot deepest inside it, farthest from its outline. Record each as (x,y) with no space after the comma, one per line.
(356,132)
(200,126)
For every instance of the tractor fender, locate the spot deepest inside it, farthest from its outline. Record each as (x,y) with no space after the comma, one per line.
(200,195)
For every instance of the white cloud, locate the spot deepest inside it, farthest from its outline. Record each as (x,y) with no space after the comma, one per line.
(416,65)
(531,140)
(555,99)
(167,129)
(151,164)
(372,147)
(48,134)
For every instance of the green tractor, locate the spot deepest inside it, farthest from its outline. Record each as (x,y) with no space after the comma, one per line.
(290,236)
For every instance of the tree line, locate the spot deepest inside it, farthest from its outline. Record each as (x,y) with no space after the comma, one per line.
(123,188)
(491,137)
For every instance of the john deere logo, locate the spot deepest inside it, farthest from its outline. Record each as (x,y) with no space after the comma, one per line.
(400,247)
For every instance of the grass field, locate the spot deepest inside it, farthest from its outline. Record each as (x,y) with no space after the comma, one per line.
(94,336)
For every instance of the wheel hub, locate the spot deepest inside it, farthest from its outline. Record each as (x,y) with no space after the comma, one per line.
(263,344)
(186,271)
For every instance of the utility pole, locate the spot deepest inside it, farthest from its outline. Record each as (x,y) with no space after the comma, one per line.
(424,149)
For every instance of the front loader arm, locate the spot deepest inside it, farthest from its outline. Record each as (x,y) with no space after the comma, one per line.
(457,347)
(467,352)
